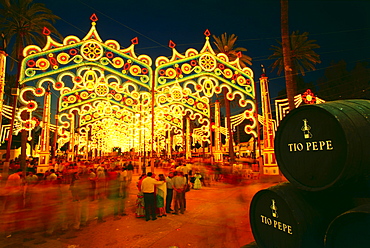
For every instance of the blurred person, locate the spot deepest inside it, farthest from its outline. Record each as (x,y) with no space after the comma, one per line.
(59,166)
(206,175)
(148,187)
(66,200)
(56,166)
(92,188)
(52,202)
(52,176)
(169,195)
(136,167)
(186,190)
(123,191)
(140,205)
(13,202)
(80,190)
(113,191)
(161,196)
(31,181)
(190,168)
(51,166)
(31,178)
(178,183)
(218,173)
(130,170)
(101,192)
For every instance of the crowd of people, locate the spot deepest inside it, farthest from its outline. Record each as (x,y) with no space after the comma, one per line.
(159,196)
(43,200)
(94,189)
(69,195)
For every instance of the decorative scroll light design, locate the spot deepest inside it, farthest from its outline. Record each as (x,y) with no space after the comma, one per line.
(103,88)
(95,79)
(193,78)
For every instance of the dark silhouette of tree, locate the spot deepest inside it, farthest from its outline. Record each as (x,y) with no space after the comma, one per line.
(22,23)
(340,83)
(286,54)
(304,59)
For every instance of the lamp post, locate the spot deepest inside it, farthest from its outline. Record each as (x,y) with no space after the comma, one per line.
(133,138)
(54,155)
(144,160)
(138,116)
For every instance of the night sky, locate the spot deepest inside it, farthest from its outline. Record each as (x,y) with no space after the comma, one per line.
(341,28)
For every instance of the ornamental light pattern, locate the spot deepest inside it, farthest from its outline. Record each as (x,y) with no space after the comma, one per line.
(108,96)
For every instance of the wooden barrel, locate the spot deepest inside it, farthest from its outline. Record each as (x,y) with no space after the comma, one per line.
(325,145)
(284,216)
(350,229)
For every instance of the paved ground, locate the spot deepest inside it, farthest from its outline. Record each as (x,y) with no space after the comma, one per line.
(216,216)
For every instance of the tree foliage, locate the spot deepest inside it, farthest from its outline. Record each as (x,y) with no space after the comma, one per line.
(22,23)
(340,83)
(226,44)
(304,58)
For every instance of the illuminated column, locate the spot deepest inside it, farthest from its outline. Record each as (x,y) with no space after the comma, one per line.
(218,152)
(188,144)
(56,134)
(169,149)
(72,140)
(270,166)
(152,126)
(133,138)
(87,144)
(138,116)
(45,135)
(2,81)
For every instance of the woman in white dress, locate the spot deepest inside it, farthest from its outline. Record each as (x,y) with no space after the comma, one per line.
(197,182)
(161,195)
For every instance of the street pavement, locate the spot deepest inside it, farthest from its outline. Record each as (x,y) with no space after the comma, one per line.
(217,216)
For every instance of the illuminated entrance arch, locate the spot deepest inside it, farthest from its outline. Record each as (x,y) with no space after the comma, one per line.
(105,94)
(189,81)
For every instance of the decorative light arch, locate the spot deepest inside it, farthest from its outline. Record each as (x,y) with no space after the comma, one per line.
(107,91)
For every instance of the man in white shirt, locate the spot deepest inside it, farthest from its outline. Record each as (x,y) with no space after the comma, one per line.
(178,184)
(185,171)
(147,187)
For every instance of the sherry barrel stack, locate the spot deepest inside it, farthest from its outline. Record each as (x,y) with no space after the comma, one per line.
(350,229)
(323,151)
(325,145)
(284,216)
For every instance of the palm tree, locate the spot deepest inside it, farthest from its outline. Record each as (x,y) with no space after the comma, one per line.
(291,88)
(10,80)
(226,44)
(303,56)
(22,23)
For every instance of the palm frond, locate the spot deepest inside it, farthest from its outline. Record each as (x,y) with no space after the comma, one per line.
(303,55)
(227,45)
(23,22)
